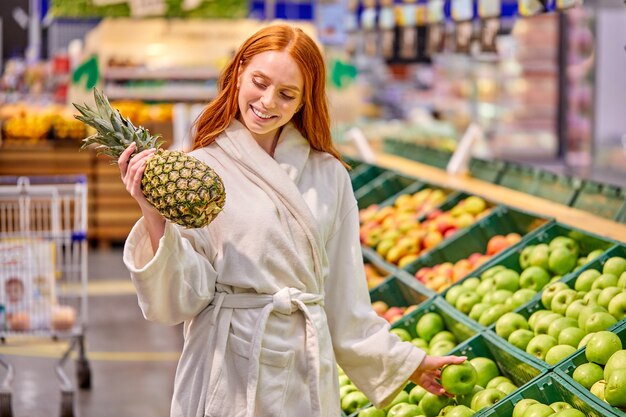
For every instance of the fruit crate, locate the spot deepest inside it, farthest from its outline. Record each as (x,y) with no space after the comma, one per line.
(603,200)
(395,292)
(486,170)
(546,389)
(383,187)
(512,365)
(566,368)
(518,177)
(555,187)
(364,174)
(474,239)
(354,163)
(423,154)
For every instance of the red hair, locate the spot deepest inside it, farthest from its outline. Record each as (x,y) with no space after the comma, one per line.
(312,120)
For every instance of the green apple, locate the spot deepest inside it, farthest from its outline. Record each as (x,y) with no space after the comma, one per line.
(497,381)
(594,254)
(615,265)
(459,379)
(591,298)
(617,306)
(520,298)
(478,310)
(344,380)
(509,322)
(538,410)
(540,255)
(585,340)
(586,312)
(597,389)
(492,314)
(346,389)
(403,334)
(601,346)
(550,291)
(534,277)
(353,401)
(574,309)
(562,300)
(453,294)
(404,410)
(559,406)
(543,324)
(466,400)
(443,335)
(429,325)
(471,283)
(432,404)
(561,261)
(569,412)
(460,411)
(559,325)
(599,321)
(507,387)
(416,394)
(486,286)
(607,294)
(616,361)
(491,272)
(622,280)
(401,397)
(466,300)
(604,281)
(486,398)
(445,410)
(564,242)
(532,320)
(520,338)
(540,345)
(372,412)
(441,348)
(522,405)
(585,279)
(524,257)
(500,296)
(571,336)
(557,353)
(587,374)
(486,370)
(420,343)
(507,279)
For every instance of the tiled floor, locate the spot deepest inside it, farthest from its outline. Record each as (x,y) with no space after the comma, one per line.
(132,360)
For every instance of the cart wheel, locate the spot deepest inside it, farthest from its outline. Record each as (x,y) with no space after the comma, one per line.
(67,404)
(5,405)
(83,373)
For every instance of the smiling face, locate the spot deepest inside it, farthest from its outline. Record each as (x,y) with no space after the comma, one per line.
(270,93)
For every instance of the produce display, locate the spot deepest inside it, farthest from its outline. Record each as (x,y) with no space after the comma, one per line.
(374,276)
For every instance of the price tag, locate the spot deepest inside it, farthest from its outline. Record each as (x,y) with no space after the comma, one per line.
(489,8)
(462,10)
(435,12)
(532,7)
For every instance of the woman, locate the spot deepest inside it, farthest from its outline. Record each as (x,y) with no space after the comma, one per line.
(272,293)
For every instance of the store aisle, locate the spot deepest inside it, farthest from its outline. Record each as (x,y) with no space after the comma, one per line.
(132,360)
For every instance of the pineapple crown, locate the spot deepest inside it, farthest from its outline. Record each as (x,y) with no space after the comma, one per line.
(114,133)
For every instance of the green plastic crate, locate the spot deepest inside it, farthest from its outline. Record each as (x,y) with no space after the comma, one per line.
(566,368)
(486,170)
(546,389)
(383,187)
(555,187)
(423,154)
(512,365)
(603,200)
(364,174)
(502,220)
(354,163)
(519,177)
(396,293)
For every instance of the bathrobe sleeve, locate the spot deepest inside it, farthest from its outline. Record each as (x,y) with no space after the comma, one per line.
(178,281)
(376,361)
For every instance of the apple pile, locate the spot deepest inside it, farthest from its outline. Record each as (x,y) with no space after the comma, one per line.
(399,237)
(500,290)
(350,397)
(433,336)
(605,372)
(374,276)
(441,276)
(529,407)
(393,313)
(571,316)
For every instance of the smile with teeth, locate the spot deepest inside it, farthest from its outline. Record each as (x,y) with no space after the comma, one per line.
(261,115)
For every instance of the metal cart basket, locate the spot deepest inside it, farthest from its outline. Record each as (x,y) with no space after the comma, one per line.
(43,273)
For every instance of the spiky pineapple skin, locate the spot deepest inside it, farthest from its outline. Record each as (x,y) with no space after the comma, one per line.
(183,189)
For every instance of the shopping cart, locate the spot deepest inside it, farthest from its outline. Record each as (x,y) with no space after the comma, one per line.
(43,273)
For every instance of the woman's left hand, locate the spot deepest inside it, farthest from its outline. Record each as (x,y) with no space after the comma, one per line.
(429,371)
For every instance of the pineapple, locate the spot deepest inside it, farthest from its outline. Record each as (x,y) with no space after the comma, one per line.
(183,189)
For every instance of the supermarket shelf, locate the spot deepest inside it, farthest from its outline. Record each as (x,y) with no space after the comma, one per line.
(141,73)
(182,92)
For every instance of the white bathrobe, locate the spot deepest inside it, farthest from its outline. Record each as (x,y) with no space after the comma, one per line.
(272,293)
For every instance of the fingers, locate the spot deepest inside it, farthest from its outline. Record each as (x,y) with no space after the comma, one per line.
(134,172)
(435,362)
(122,161)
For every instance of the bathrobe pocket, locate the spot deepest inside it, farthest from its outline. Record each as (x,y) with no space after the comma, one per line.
(229,395)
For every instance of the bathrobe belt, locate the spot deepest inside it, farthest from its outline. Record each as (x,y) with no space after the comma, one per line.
(286,301)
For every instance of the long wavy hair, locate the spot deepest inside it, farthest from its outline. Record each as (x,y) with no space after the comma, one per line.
(312,120)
